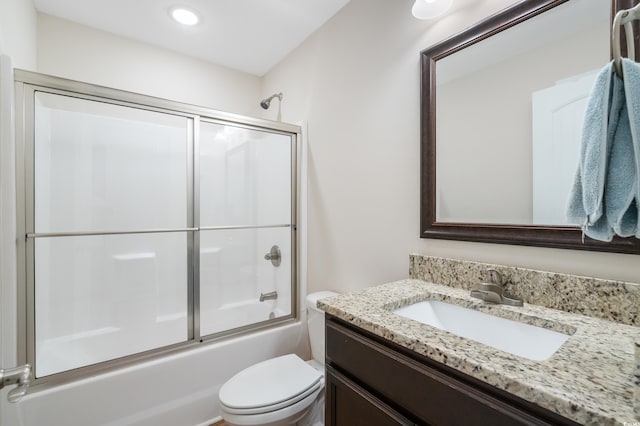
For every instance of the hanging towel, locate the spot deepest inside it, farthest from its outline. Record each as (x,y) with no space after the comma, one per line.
(585,206)
(631,73)
(619,192)
(605,191)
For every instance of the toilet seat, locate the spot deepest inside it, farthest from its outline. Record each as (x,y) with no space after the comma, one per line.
(270,385)
(288,415)
(270,408)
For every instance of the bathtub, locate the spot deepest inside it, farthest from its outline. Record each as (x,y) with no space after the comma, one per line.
(175,390)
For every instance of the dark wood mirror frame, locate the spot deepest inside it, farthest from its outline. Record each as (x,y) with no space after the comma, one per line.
(567,237)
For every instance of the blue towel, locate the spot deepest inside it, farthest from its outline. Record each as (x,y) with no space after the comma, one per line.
(586,206)
(605,192)
(631,73)
(619,190)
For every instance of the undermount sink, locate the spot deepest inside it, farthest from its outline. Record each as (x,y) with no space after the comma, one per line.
(528,341)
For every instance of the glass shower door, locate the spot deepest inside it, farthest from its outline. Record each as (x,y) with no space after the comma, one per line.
(146,227)
(108,238)
(246,226)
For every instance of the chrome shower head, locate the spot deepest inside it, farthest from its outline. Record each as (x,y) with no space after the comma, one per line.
(265,103)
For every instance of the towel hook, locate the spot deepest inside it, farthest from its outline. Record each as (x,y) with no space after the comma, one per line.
(624,18)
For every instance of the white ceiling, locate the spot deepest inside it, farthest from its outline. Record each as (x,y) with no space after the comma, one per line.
(246,35)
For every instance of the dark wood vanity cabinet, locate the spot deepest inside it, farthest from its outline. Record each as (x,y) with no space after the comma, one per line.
(354,406)
(371,381)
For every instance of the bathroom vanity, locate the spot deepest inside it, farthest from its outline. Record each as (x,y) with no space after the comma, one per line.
(384,369)
(371,381)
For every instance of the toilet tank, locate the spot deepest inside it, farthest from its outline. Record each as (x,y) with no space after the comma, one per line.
(315,321)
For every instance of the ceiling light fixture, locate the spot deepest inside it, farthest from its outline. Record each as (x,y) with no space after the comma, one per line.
(429,9)
(184,16)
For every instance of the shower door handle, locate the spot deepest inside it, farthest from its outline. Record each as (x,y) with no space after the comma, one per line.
(20,376)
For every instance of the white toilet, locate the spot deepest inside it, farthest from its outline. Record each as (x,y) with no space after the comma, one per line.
(281,391)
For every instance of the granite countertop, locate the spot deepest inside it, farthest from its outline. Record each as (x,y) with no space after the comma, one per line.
(593,379)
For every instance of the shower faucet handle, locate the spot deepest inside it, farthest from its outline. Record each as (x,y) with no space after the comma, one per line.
(274,255)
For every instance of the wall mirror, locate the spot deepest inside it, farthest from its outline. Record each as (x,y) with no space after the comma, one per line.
(501,114)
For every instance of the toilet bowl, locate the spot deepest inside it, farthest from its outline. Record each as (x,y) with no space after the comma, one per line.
(284,390)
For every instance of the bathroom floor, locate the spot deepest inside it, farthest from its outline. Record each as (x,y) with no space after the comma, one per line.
(220,423)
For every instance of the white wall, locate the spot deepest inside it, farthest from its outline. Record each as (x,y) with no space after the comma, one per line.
(18,32)
(70,50)
(356,81)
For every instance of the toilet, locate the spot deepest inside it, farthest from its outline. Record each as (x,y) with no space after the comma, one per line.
(284,390)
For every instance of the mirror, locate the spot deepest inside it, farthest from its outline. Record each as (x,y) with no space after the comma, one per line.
(501,112)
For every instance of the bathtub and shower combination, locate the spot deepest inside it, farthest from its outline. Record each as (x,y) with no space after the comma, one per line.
(157,254)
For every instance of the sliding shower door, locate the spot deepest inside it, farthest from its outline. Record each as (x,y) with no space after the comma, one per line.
(246,187)
(149,226)
(110,239)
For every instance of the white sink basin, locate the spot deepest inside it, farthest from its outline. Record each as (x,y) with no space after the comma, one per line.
(528,341)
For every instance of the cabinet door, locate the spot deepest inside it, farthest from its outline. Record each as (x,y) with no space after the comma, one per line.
(347,404)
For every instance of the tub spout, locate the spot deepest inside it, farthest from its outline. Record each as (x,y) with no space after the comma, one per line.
(268,296)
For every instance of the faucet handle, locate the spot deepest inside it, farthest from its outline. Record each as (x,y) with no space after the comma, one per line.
(494,276)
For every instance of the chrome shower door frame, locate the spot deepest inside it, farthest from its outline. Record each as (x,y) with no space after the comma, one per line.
(26,85)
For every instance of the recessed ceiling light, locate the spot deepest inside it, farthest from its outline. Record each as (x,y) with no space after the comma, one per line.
(184,16)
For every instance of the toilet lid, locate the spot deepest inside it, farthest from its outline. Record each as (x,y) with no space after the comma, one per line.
(269,383)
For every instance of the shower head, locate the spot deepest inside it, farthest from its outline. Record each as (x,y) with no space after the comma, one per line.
(265,103)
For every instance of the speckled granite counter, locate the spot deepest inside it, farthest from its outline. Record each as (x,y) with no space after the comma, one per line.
(606,299)
(590,379)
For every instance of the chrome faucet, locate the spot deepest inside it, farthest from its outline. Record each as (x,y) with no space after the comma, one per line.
(493,290)
(268,296)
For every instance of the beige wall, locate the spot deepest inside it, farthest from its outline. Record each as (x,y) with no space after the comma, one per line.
(18,32)
(356,81)
(70,50)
